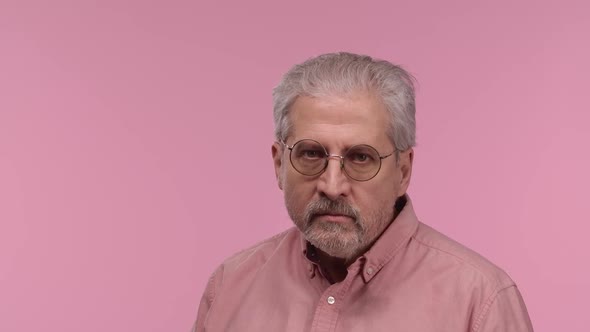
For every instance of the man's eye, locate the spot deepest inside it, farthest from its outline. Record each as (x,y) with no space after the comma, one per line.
(311,154)
(360,157)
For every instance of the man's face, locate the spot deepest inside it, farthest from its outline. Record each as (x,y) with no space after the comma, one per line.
(338,215)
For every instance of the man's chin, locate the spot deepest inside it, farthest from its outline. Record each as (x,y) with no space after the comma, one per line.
(340,244)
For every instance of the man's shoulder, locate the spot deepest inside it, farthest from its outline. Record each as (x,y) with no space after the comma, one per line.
(259,253)
(463,257)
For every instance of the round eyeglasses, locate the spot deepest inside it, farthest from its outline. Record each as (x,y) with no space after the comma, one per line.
(360,162)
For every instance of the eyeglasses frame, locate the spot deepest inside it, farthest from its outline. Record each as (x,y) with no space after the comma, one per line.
(328,156)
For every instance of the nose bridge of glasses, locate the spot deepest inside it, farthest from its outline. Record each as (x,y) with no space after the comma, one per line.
(340,159)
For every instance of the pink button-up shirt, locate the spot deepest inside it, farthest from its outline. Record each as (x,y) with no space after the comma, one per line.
(413,279)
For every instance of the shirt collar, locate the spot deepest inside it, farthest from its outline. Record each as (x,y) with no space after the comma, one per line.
(309,253)
(395,236)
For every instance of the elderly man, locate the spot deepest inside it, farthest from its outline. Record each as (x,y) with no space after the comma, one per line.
(358,258)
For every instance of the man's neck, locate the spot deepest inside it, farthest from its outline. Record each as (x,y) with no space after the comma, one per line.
(333,268)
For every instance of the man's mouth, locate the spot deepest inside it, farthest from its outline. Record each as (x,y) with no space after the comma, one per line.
(334,217)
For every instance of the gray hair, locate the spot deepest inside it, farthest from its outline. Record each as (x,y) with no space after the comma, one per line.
(339,74)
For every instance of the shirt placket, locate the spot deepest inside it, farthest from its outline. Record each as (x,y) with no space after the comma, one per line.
(330,304)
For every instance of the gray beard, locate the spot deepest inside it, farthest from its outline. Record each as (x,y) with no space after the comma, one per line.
(328,238)
(332,238)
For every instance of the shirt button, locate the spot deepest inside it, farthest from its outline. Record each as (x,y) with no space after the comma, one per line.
(331,300)
(369,270)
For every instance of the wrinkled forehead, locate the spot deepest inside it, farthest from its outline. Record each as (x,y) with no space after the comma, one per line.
(359,118)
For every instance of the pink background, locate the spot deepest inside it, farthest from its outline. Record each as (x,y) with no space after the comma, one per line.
(135,145)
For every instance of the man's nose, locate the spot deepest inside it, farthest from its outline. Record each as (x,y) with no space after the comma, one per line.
(333,182)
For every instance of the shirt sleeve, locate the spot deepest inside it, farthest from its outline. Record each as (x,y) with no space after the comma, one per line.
(504,312)
(206,302)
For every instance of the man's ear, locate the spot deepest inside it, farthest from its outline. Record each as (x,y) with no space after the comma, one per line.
(406,160)
(277,154)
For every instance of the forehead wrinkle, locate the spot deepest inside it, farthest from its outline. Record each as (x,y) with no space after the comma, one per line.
(341,139)
(340,123)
